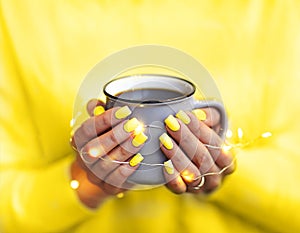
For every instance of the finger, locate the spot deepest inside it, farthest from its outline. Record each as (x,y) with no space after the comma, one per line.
(118,156)
(198,153)
(116,181)
(181,162)
(102,145)
(96,125)
(92,105)
(226,162)
(188,142)
(211,139)
(174,181)
(210,116)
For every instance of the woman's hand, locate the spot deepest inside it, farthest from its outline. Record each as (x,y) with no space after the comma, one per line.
(105,137)
(190,156)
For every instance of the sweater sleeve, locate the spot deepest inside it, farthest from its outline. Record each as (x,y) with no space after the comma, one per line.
(264,189)
(34,166)
(40,199)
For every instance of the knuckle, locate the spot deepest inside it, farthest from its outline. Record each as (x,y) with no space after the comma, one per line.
(212,183)
(88,129)
(113,138)
(124,152)
(186,140)
(106,120)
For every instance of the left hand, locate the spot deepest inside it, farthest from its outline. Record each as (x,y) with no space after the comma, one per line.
(190,156)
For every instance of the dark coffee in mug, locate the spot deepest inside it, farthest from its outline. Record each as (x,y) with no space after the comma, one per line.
(150,95)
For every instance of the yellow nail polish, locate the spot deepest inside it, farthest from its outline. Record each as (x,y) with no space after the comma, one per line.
(139,139)
(131,125)
(169,167)
(166,141)
(136,160)
(183,117)
(122,112)
(172,123)
(98,110)
(200,114)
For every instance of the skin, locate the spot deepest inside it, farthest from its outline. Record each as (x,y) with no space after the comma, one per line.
(100,178)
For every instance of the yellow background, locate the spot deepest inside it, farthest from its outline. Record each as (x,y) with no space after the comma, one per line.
(252,49)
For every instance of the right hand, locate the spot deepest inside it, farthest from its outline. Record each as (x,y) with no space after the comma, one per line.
(98,141)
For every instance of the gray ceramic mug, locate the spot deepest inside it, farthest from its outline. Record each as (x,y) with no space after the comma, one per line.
(152,98)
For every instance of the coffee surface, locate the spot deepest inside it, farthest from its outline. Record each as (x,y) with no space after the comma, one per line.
(150,95)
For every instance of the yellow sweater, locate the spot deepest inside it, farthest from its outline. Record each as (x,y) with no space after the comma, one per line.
(251,48)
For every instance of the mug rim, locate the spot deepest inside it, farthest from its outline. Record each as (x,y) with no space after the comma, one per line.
(119,99)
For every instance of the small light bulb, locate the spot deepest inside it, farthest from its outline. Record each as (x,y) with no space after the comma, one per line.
(266,135)
(240,133)
(188,176)
(229,133)
(139,129)
(94,152)
(120,195)
(74,184)
(226,148)
(72,123)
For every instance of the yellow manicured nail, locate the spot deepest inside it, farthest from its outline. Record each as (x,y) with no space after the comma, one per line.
(166,141)
(200,114)
(172,123)
(169,167)
(122,112)
(98,110)
(183,117)
(139,139)
(131,125)
(136,160)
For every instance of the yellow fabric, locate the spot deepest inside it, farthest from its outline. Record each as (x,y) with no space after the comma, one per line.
(251,48)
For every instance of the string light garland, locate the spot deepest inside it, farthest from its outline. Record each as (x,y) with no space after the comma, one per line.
(226,147)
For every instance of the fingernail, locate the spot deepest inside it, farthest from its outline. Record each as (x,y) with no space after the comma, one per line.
(169,167)
(131,125)
(122,112)
(172,123)
(98,110)
(166,141)
(183,117)
(136,160)
(139,139)
(200,114)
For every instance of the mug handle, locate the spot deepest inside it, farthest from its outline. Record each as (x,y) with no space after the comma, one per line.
(220,107)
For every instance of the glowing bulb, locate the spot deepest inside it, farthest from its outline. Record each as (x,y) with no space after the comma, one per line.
(72,133)
(187,176)
(229,134)
(120,195)
(139,129)
(179,181)
(72,123)
(74,184)
(266,135)
(94,152)
(226,148)
(240,133)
